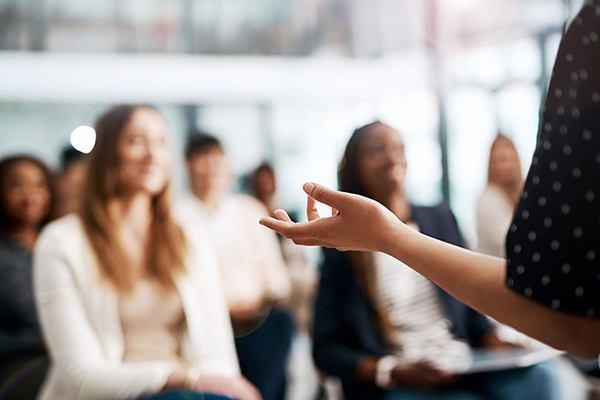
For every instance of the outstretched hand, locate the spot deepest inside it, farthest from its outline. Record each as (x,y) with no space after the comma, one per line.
(356,222)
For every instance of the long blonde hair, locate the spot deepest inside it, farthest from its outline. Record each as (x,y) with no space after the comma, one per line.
(167,245)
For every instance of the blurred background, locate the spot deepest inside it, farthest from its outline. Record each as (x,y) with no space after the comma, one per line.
(287,81)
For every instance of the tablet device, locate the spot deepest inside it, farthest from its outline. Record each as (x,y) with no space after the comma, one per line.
(482,360)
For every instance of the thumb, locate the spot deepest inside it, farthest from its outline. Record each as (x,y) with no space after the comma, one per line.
(326,196)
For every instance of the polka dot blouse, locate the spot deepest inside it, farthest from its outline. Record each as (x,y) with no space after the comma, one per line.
(553,244)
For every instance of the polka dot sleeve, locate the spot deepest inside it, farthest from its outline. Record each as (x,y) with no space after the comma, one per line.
(553,244)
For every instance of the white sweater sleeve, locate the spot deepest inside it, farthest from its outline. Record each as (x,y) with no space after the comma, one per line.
(76,354)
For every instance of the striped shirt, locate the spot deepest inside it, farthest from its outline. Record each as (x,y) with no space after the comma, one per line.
(421,328)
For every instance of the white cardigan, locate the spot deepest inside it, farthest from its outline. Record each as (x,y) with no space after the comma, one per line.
(80,320)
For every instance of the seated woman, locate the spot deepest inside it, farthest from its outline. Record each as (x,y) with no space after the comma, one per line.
(384,330)
(497,203)
(130,301)
(26,202)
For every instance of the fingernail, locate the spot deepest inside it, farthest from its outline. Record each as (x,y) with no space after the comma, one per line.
(308,187)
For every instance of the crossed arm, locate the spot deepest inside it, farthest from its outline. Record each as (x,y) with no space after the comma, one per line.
(361,224)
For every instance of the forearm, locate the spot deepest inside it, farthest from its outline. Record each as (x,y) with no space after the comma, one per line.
(362,224)
(478,280)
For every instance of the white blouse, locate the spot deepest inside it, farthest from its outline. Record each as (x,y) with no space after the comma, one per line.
(249,256)
(81,324)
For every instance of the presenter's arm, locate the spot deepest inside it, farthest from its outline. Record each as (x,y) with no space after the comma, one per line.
(361,224)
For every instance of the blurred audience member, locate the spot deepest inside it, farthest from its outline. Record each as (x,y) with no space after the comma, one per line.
(129,300)
(264,185)
(495,208)
(71,180)
(26,201)
(254,274)
(302,271)
(387,332)
(304,276)
(497,203)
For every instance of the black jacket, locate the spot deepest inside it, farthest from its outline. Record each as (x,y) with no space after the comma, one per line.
(345,327)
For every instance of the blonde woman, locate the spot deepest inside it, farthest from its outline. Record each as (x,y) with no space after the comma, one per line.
(496,204)
(130,301)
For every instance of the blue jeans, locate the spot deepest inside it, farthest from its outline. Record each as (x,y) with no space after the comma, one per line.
(182,394)
(536,382)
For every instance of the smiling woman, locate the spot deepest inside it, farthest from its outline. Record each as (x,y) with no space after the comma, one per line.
(26,202)
(132,156)
(548,287)
(123,290)
(387,332)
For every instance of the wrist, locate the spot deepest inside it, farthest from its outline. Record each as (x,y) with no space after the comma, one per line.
(182,377)
(176,378)
(392,237)
(384,372)
(400,375)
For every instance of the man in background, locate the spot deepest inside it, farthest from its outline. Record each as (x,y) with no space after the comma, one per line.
(255,278)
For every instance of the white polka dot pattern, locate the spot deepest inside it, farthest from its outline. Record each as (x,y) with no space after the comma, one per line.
(554,242)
